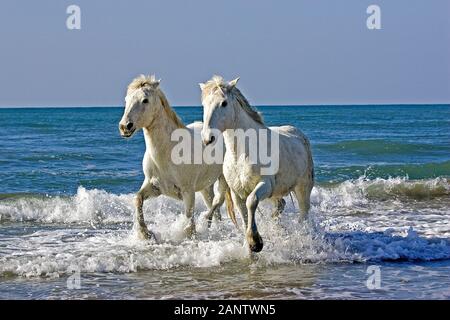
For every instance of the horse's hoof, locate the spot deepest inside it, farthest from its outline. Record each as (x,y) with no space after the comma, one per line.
(257,247)
(190,230)
(255,242)
(143,234)
(218,216)
(302,219)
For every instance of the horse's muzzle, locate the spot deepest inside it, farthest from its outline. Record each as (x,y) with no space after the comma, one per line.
(126,131)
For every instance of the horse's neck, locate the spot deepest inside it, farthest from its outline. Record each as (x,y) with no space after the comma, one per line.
(158,137)
(244,122)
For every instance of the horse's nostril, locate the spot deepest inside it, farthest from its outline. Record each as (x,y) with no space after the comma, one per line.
(211,140)
(129,125)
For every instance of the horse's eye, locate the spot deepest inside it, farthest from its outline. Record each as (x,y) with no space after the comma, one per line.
(224,103)
(145,100)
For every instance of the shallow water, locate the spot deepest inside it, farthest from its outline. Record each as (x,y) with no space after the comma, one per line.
(382,199)
(400,280)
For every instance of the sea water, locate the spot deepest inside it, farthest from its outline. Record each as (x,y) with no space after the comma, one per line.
(381,202)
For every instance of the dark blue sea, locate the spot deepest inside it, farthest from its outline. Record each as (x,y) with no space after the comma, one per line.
(381,202)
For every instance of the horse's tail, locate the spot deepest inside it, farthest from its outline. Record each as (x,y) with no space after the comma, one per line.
(230,206)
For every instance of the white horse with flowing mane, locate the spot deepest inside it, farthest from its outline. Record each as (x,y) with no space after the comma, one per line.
(225,110)
(147,108)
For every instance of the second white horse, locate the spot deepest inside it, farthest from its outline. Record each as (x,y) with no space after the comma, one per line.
(226,110)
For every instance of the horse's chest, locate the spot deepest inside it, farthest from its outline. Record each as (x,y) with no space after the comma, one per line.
(241,176)
(165,182)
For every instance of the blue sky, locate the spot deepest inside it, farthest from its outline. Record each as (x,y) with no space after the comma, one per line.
(286,52)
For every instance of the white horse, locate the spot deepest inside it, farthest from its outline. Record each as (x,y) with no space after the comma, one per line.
(225,110)
(147,108)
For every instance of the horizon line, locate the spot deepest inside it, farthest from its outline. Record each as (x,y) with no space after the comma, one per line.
(256,105)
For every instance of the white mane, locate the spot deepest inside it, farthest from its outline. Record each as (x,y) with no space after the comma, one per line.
(217,83)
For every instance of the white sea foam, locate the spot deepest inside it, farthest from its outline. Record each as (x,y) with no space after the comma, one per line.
(361,220)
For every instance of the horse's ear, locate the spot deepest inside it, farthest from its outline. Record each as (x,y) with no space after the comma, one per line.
(202,86)
(234,82)
(155,84)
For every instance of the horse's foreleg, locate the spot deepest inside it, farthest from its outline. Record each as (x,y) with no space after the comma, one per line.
(240,204)
(208,197)
(147,190)
(262,191)
(189,202)
(217,202)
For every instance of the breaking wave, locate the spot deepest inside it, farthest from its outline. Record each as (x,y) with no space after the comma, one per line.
(100,207)
(355,221)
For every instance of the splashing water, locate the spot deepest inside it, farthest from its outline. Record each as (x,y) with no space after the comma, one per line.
(91,230)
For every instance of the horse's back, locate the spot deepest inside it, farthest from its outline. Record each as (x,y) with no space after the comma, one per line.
(289,133)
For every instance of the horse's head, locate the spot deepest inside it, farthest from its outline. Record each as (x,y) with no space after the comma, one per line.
(219,109)
(142,104)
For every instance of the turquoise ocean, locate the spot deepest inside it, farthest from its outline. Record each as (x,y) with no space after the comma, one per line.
(381,202)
